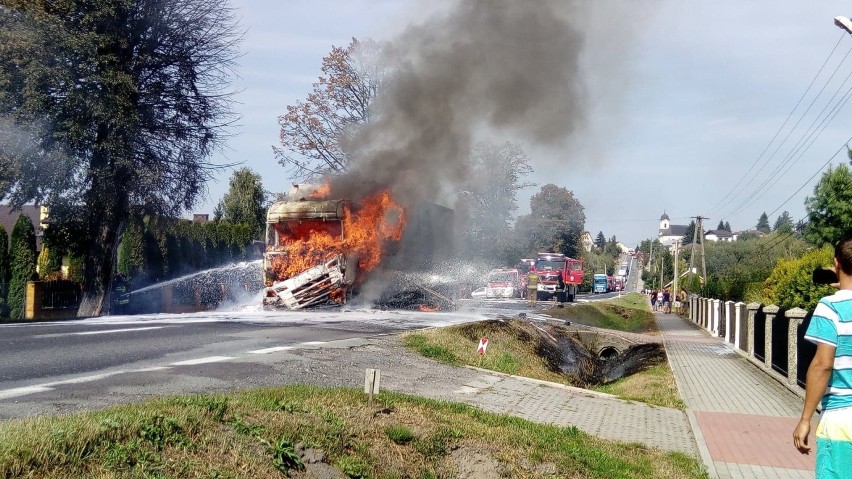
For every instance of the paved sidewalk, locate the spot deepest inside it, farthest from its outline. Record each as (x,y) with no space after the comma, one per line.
(743,419)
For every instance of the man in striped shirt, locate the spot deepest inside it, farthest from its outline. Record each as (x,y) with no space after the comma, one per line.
(829,377)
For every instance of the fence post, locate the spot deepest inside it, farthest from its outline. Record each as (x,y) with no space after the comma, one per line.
(796,317)
(32,299)
(729,321)
(752,312)
(739,308)
(714,314)
(771,311)
(691,313)
(704,311)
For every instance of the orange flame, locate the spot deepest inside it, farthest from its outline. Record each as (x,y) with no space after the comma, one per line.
(364,232)
(322,192)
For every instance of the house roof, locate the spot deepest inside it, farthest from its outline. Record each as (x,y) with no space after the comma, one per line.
(8,218)
(719,233)
(674,230)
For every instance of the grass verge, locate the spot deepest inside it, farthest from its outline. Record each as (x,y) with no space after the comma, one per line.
(512,349)
(260,433)
(628,313)
(655,385)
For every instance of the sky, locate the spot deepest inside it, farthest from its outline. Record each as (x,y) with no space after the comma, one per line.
(681,99)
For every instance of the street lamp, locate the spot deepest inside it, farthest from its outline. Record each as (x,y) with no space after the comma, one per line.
(843,23)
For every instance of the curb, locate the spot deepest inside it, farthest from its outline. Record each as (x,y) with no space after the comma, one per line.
(703,451)
(697,436)
(572,389)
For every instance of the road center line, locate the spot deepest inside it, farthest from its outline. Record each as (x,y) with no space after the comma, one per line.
(15,392)
(89,333)
(108,331)
(271,350)
(210,359)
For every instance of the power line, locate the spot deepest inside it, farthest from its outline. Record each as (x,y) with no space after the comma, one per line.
(812,176)
(781,128)
(760,190)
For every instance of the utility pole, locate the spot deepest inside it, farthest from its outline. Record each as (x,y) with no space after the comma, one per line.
(651,256)
(674,281)
(662,271)
(698,233)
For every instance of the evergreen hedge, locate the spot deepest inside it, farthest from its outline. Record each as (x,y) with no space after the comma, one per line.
(5,273)
(158,249)
(23,264)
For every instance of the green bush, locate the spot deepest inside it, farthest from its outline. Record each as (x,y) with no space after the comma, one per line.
(790,285)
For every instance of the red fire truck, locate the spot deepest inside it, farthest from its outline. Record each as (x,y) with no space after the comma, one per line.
(559,276)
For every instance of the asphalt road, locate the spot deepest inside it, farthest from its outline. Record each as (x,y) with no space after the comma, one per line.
(59,367)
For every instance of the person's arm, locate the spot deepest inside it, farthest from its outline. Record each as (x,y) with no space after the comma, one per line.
(816,381)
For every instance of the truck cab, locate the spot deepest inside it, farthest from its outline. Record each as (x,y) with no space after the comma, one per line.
(559,276)
(503,283)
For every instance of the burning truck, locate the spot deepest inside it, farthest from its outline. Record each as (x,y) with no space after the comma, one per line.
(320,250)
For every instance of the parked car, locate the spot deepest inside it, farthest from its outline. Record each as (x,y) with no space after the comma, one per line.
(478,293)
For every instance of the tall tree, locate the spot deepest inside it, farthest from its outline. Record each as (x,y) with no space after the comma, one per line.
(830,208)
(728,227)
(784,223)
(555,222)
(111,107)
(5,273)
(721,225)
(488,202)
(245,201)
(600,241)
(689,233)
(314,131)
(22,254)
(763,223)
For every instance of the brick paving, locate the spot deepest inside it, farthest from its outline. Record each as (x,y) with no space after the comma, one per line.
(606,417)
(745,418)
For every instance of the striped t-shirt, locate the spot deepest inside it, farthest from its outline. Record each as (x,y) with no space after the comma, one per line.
(832,324)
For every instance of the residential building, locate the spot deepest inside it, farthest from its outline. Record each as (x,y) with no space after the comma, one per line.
(587,241)
(720,235)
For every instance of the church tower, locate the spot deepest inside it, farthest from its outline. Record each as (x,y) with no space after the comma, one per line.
(664,222)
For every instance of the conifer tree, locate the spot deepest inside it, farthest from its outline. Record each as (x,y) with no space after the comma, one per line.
(23,264)
(5,273)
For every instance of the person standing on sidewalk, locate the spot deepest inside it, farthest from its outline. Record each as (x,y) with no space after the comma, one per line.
(532,287)
(829,377)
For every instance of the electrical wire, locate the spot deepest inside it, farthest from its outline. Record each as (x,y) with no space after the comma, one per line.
(722,202)
(768,179)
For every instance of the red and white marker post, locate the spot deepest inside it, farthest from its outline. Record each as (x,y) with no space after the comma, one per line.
(483,345)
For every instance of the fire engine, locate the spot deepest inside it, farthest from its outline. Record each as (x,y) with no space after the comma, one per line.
(503,283)
(559,276)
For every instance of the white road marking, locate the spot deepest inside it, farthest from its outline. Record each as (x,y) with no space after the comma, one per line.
(108,331)
(147,370)
(84,379)
(104,331)
(15,392)
(209,359)
(271,350)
